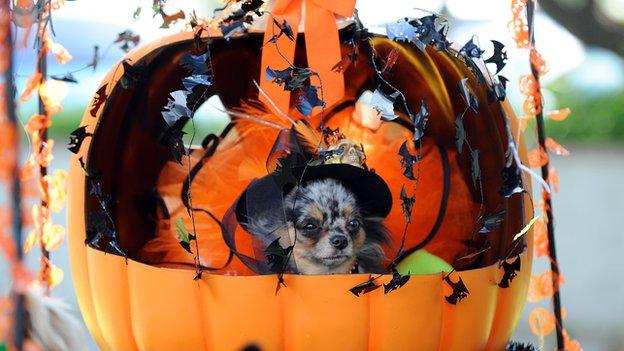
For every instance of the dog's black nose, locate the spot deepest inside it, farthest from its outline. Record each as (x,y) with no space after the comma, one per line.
(339,241)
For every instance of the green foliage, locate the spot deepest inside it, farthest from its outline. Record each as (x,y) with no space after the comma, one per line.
(595,117)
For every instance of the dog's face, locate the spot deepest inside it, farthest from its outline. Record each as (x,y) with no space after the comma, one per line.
(328,225)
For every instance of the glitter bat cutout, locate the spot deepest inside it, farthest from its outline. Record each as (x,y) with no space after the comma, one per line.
(512,180)
(292,78)
(176,108)
(401,31)
(420,121)
(428,34)
(396,282)
(128,40)
(183,235)
(277,256)
(285,29)
(407,161)
(500,89)
(469,98)
(229,30)
(460,133)
(169,19)
(195,64)
(384,104)
(76,138)
(492,221)
(68,78)
(499,57)
(460,291)
(510,270)
(172,137)
(476,168)
(98,100)
(308,99)
(132,74)
(192,81)
(101,232)
(470,49)
(365,288)
(407,203)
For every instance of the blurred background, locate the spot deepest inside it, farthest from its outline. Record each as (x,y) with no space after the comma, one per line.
(583,43)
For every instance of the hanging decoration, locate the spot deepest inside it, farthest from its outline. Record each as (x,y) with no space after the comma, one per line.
(547,284)
(51,185)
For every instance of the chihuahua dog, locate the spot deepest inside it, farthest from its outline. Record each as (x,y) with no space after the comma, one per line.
(330,231)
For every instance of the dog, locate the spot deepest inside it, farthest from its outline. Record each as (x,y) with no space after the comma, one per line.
(329,230)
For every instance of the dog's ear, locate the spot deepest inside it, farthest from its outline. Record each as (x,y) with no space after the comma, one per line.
(371,258)
(376,231)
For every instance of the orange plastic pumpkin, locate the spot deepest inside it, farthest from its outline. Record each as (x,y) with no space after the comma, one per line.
(129,305)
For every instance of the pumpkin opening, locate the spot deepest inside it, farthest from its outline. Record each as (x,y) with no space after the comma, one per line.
(150,198)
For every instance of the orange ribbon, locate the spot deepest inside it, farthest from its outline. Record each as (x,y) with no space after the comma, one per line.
(322,46)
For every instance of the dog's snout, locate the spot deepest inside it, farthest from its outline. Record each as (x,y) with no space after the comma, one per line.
(339,241)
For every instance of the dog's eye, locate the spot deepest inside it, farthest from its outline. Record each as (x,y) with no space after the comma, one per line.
(309,226)
(354,224)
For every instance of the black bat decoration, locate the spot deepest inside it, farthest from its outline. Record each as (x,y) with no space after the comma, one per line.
(173,138)
(406,204)
(476,168)
(101,235)
(252,5)
(460,291)
(195,64)
(426,33)
(471,101)
(499,57)
(95,59)
(285,29)
(68,77)
(292,78)
(98,100)
(76,138)
(308,99)
(401,31)
(132,74)
(192,81)
(365,288)
(83,165)
(492,221)
(470,49)
(278,76)
(439,40)
(512,180)
(460,133)
(184,236)
(511,270)
(176,109)
(95,189)
(101,232)
(420,121)
(229,30)
(396,282)
(277,256)
(407,161)
(384,104)
(126,38)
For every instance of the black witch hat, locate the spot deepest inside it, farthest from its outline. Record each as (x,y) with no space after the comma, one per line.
(301,155)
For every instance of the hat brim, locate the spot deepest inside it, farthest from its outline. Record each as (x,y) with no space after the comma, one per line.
(371,191)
